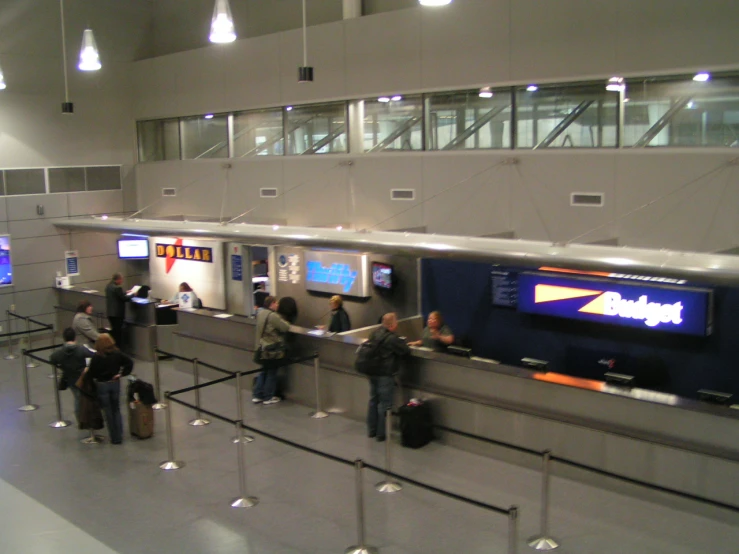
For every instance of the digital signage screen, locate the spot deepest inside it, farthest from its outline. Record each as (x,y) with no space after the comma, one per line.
(133,249)
(382,275)
(6,267)
(681,310)
(337,273)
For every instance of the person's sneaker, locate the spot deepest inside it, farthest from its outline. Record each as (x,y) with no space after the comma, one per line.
(273,400)
(256,400)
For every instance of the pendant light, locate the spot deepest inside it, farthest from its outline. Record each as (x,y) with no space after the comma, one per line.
(434,2)
(2,79)
(222,25)
(89,55)
(67,106)
(305,72)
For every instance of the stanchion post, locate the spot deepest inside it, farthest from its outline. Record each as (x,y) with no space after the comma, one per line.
(170,464)
(93,438)
(388,485)
(199,421)
(9,355)
(27,407)
(59,423)
(157,385)
(31,363)
(543,541)
(513,530)
(319,413)
(240,437)
(360,547)
(242,501)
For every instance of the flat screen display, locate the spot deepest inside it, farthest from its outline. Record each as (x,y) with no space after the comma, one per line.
(382,275)
(6,268)
(133,249)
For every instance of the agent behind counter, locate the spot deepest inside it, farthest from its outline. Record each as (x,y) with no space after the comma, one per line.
(436,335)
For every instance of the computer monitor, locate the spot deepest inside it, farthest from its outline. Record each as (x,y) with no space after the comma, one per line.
(459,351)
(382,275)
(133,249)
(533,363)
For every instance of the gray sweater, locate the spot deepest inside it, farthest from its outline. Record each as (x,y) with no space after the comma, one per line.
(86,331)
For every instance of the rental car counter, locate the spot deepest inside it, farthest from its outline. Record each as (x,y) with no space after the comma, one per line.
(640,434)
(147,323)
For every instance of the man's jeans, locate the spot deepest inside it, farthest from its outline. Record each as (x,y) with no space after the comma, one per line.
(381,400)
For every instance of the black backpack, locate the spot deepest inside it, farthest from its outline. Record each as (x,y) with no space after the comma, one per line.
(369,357)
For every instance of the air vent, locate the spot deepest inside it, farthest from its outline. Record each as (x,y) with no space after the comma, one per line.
(267,193)
(169,192)
(589,199)
(403,194)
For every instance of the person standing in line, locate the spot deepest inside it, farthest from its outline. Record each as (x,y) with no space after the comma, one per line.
(71,359)
(273,325)
(107,366)
(382,386)
(83,326)
(115,306)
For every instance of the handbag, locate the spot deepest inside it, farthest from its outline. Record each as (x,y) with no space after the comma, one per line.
(62,384)
(275,351)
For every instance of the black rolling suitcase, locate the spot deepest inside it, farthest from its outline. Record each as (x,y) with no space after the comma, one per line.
(416,424)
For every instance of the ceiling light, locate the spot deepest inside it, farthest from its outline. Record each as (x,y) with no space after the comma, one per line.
(383,99)
(339,227)
(289,108)
(275,227)
(396,98)
(626,99)
(209,116)
(2,80)
(616,84)
(701,77)
(222,25)
(89,56)
(485,92)
(691,105)
(532,88)
(434,2)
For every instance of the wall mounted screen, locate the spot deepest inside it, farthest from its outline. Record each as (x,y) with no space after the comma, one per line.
(6,267)
(133,249)
(382,275)
(671,309)
(337,273)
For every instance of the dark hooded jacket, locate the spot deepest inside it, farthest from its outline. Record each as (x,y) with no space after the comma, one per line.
(70,358)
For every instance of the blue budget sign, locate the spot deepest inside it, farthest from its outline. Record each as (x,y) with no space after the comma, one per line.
(672,309)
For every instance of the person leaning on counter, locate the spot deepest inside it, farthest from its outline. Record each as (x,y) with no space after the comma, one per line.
(435,335)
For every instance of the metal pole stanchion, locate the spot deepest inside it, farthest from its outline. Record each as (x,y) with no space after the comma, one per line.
(318,414)
(59,423)
(388,485)
(93,438)
(32,364)
(9,355)
(360,547)
(27,407)
(243,501)
(543,541)
(199,421)
(240,437)
(513,530)
(157,387)
(170,464)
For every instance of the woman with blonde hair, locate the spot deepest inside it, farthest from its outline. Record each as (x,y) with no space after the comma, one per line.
(107,366)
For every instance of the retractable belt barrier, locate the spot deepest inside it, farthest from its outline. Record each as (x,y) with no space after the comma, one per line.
(9,335)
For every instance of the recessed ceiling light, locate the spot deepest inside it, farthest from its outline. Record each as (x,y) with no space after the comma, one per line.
(532,88)
(275,227)
(701,77)
(289,108)
(383,99)
(396,98)
(485,92)
(616,84)
(434,2)
(209,116)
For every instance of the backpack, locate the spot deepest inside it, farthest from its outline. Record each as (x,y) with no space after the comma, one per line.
(369,357)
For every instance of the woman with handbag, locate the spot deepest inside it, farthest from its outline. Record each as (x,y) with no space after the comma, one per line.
(71,359)
(107,367)
(271,341)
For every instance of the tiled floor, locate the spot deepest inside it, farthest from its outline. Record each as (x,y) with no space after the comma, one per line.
(58,495)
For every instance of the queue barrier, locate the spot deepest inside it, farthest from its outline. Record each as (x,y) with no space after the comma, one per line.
(10,334)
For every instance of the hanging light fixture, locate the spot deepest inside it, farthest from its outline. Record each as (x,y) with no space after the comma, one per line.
(222,25)
(89,55)
(67,106)
(434,2)
(2,79)
(305,72)
(485,92)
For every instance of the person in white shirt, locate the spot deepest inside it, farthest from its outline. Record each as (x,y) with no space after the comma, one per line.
(186,289)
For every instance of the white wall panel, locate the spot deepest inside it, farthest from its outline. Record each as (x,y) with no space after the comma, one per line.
(246,178)
(24,207)
(98,202)
(251,76)
(154,87)
(466,42)
(199,74)
(36,276)
(3,209)
(94,244)
(315,190)
(100,268)
(36,302)
(326,54)
(383,53)
(38,250)
(29,228)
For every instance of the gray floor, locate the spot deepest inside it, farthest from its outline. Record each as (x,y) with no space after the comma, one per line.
(58,495)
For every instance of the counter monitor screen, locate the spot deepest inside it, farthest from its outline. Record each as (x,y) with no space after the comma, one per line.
(133,249)
(382,275)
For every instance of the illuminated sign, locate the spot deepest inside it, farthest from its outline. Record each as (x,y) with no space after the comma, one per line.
(672,309)
(337,273)
(177,251)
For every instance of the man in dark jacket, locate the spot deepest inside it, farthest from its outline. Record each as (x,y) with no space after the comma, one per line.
(71,359)
(382,386)
(115,306)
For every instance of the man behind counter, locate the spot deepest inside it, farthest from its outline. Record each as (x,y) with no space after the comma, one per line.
(115,306)
(436,335)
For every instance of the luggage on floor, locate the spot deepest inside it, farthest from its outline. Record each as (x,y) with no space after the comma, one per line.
(416,424)
(140,419)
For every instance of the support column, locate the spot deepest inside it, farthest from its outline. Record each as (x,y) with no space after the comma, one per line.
(352,8)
